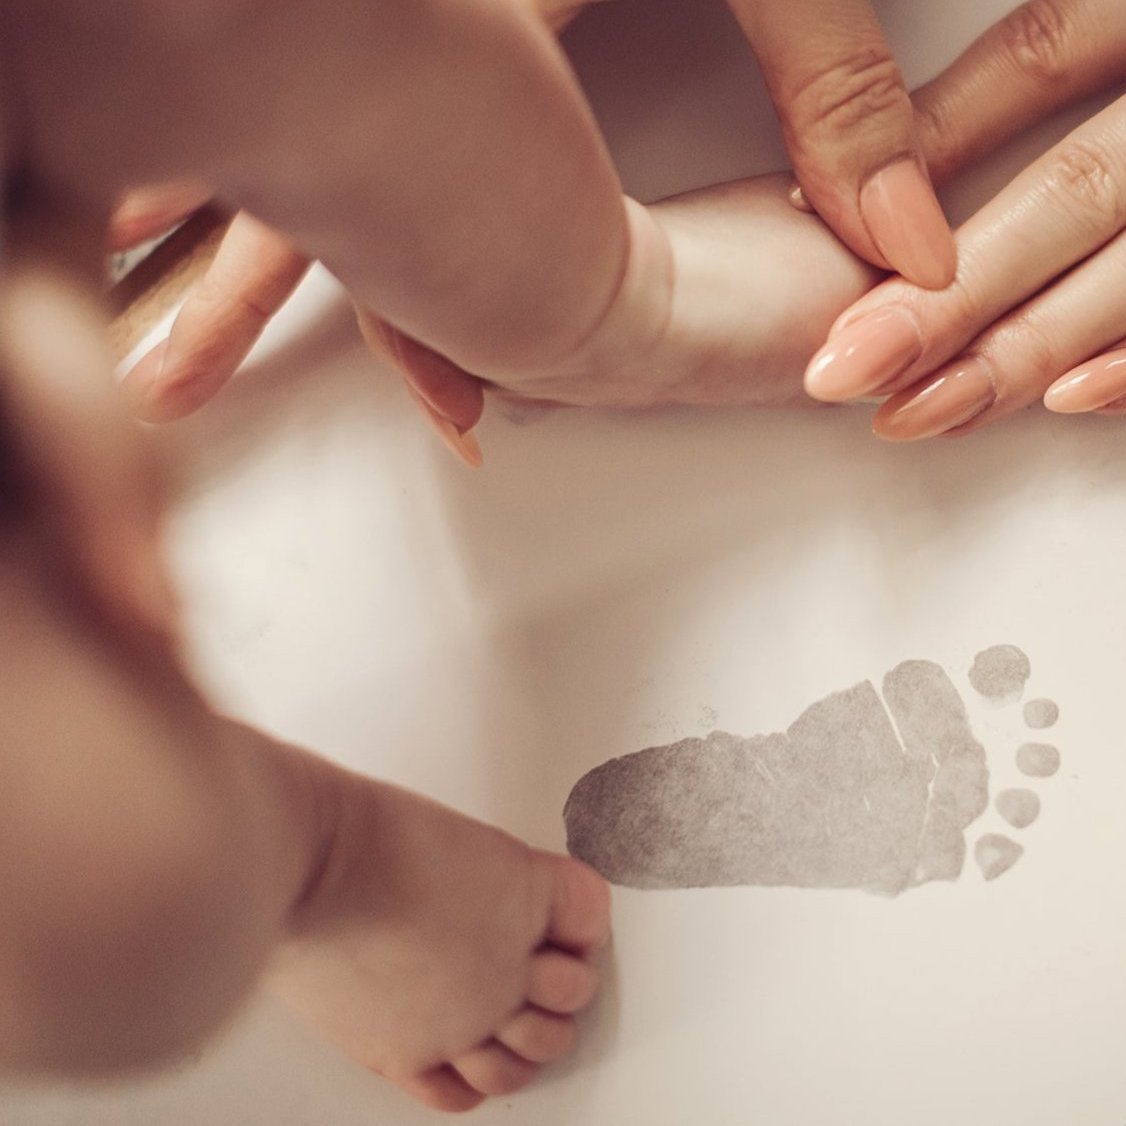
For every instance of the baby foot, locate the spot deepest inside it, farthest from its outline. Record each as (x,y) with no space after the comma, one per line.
(859,792)
(440,952)
(753,287)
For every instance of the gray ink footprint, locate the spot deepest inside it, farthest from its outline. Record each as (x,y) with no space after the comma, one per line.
(861,791)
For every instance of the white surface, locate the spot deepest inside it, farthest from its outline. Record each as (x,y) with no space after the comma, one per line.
(609,582)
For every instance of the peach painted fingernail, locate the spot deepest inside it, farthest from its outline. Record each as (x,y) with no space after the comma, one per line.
(1088,388)
(464,446)
(864,356)
(905,221)
(950,400)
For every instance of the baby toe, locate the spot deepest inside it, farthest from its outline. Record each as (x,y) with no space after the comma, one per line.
(579,914)
(561,983)
(493,1069)
(538,1036)
(441,1088)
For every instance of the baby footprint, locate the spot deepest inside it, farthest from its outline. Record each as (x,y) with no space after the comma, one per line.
(862,791)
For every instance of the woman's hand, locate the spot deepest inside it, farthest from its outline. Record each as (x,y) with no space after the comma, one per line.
(1037,303)
(254,271)
(850,131)
(848,122)
(724,250)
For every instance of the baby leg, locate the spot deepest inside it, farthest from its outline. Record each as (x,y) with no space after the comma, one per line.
(747,287)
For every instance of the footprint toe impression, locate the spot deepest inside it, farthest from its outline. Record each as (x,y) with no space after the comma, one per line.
(861,791)
(1018,807)
(999,673)
(1041,713)
(996,854)
(1038,760)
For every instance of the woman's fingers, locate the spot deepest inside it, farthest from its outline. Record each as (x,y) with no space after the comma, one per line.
(253,273)
(1063,208)
(849,128)
(147,212)
(1013,363)
(1022,247)
(1098,384)
(155,286)
(1043,55)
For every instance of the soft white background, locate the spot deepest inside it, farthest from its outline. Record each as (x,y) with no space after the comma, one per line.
(612,581)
